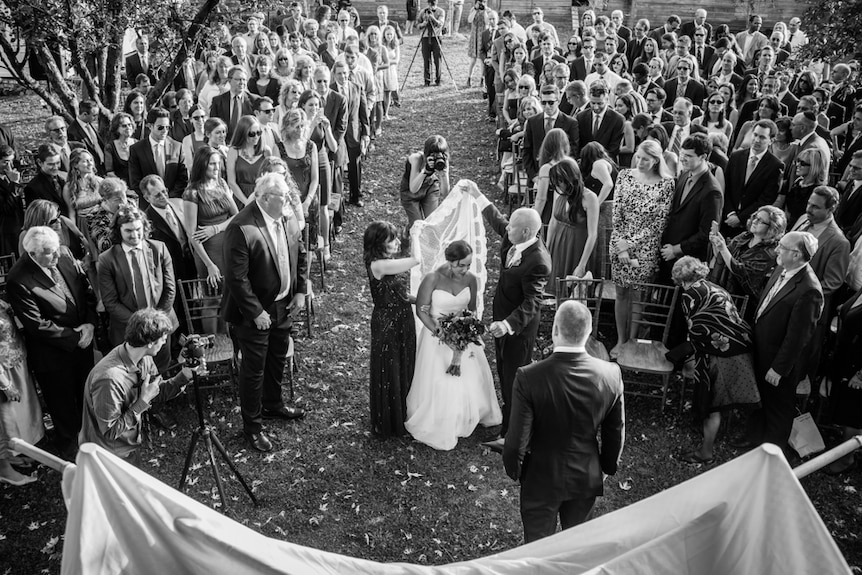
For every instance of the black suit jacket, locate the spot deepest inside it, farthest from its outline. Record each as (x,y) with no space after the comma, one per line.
(97,149)
(251,281)
(692,129)
(689,221)
(49,319)
(560,406)
(134,67)
(142,163)
(849,209)
(688,28)
(335,110)
(357,120)
(694,91)
(610,132)
(220,108)
(634,49)
(782,331)
(117,288)
(178,247)
(520,287)
(743,197)
(578,69)
(42,188)
(704,61)
(534,135)
(538,62)
(790,102)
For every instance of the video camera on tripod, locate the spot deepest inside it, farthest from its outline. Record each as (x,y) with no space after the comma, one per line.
(193,347)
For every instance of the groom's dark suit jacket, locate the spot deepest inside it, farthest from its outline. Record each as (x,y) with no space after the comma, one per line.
(559,406)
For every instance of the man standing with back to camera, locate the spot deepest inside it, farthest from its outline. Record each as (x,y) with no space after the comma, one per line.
(431,23)
(559,406)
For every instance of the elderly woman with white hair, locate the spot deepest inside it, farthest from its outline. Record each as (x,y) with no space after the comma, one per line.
(721,344)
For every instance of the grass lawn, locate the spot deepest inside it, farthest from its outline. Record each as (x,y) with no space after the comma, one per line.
(330,485)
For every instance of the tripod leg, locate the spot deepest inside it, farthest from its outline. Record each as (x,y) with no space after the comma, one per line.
(233,468)
(209,445)
(196,434)
(410,67)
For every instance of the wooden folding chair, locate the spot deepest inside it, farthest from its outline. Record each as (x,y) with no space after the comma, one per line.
(654,310)
(201,303)
(589,292)
(517,192)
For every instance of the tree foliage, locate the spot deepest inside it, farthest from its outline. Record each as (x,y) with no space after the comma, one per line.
(834,29)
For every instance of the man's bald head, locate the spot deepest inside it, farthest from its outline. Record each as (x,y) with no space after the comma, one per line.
(524,224)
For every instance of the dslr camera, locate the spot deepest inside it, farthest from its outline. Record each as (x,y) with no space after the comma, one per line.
(194,346)
(480,4)
(436,162)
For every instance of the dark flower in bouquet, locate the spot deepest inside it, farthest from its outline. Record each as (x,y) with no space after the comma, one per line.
(458,330)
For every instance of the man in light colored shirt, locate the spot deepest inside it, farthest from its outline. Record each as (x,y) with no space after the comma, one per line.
(539,22)
(796,37)
(603,73)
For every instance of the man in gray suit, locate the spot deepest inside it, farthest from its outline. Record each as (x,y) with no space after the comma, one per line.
(559,406)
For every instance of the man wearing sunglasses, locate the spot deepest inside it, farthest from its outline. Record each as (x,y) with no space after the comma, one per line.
(540,124)
(160,155)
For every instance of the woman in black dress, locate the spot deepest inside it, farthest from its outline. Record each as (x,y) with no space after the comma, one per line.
(117,149)
(847,377)
(393,328)
(600,177)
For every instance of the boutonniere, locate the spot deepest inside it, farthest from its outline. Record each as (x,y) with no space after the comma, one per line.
(516,261)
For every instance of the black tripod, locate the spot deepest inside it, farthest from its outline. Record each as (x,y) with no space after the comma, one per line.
(435,38)
(210,438)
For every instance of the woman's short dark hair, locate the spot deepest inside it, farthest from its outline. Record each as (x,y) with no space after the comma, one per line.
(377,235)
(773,104)
(147,326)
(457,251)
(306,96)
(127,215)
(436,144)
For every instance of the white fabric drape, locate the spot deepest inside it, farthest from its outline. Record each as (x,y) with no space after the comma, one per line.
(750,515)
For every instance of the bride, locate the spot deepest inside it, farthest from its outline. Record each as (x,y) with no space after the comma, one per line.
(441,407)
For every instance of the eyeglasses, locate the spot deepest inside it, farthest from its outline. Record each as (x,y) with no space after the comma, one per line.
(548,102)
(160,128)
(801,163)
(54,221)
(254,134)
(58,129)
(270,111)
(683,68)
(717,102)
(321,81)
(700,35)
(283,59)
(523,87)
(757,220)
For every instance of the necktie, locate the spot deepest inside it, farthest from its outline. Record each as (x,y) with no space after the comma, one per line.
(597,121)
(700,57)
(804,226)
(138,278)
(58,189)
(677,140)
(283,257)
(549,124)
(64,287)
(174,225)
(236,112)
(776,287)
(752,163)
(64,158)
(686,189)
(680,90)
(145,63)
(510,256)
(159,158)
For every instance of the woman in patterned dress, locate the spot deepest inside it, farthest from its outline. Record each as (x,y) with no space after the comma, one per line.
(478,23)
(722,346)
(641,207)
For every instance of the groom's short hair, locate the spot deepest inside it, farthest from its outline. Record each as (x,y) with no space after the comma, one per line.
(573,322)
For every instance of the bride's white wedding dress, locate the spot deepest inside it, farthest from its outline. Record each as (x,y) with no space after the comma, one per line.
(441,407)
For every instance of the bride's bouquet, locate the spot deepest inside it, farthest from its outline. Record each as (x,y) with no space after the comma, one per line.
(458,330)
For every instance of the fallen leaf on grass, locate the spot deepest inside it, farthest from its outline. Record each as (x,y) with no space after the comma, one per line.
(49,546)
(626,484)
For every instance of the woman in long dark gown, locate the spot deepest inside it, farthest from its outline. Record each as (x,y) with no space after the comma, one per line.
(722,347)
(846,377)
(393,329)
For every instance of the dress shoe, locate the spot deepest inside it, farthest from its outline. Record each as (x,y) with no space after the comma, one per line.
(283,412)
(743,443)
(495,445)
(258,441)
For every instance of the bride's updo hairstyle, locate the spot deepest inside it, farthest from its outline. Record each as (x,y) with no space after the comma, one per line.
(457,251)
(377,235)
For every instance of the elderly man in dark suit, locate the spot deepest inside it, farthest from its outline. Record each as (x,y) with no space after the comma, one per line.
(136,273)
(236,102)
(160,155)
(681,127)
(560,405)
(751,180)
(525,268)
(83,132)
(541,124)
(139,62)
(785,320)
(264,287)
(53,300)
(600,123)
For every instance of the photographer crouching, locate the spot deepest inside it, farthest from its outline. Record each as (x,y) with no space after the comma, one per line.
(425,179)
(125,383)
(431,22)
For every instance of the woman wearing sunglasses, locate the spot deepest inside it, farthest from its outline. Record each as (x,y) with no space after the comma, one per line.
(244,158)
(197,139)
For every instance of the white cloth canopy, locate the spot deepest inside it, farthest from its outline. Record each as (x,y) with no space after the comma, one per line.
(750,515)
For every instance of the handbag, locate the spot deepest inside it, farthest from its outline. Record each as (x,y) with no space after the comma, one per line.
(805,438)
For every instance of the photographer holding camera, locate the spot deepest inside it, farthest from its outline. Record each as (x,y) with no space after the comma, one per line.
(431,23)
(426,177)
(125,383)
